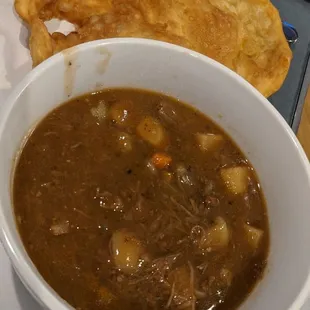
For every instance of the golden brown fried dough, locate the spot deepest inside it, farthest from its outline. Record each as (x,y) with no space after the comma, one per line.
(75,11)
(40,42)
(29,9)
(244,35)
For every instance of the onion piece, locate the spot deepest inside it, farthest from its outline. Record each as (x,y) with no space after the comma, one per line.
(151,167)
(60,228)
(186,179)
(226,276)
(125,142)
(167,112)
(99,112)
(200,294)
(183,281)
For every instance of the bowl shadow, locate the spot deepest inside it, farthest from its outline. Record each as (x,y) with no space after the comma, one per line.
(25,300)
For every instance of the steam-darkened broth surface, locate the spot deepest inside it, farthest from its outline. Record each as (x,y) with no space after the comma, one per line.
(127,199)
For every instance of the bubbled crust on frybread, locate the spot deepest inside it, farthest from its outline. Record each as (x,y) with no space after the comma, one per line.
(244,35)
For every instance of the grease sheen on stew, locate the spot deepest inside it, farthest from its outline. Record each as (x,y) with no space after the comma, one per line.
(130,199)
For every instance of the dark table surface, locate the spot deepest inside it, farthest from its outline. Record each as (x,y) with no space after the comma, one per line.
(289,99)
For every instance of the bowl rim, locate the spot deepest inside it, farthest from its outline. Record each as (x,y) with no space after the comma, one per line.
(46,296)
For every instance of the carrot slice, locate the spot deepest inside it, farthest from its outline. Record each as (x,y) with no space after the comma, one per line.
(161,160)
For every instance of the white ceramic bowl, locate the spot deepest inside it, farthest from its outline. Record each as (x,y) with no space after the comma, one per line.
(230,101)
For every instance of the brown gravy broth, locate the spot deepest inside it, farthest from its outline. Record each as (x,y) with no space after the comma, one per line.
(128,199)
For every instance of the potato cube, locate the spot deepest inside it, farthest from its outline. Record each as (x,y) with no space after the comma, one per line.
(217,236)
(126,251)
(209,141)
(121,113)
(151,131)
(236,179)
